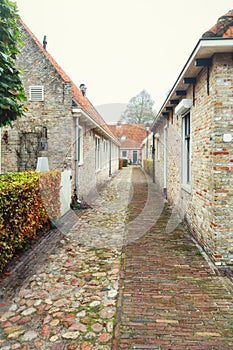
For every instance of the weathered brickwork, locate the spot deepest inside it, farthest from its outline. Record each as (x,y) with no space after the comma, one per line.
(49,128)
(90,178)
(54,112)
(208,205)
(200,209)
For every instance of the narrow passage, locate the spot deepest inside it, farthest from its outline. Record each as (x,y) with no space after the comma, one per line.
(171,297)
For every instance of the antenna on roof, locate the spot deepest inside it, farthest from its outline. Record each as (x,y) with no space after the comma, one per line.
(83,89)
(45,42)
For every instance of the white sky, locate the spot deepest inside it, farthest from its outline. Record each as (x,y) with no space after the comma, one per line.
(119,47)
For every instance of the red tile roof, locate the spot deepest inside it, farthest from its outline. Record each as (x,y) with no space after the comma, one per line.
(130,135)
(81,100)
(223,28)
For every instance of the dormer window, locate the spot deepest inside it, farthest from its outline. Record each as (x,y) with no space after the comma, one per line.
(36,93)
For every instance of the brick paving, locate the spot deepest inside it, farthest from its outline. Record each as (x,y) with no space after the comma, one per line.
(99,283)
(170,297)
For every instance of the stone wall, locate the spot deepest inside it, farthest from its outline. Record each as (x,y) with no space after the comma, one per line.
(54,113)
(48,129)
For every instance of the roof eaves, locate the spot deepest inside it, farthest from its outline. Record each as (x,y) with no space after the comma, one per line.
(86,115)
(81,101)
(205,47)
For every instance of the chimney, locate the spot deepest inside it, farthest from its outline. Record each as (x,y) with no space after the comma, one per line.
(45,42)
(83,89)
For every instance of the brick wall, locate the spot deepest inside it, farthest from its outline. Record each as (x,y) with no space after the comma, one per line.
(90,178)
(208,207)
(54,112)
(130,154)
(222,157)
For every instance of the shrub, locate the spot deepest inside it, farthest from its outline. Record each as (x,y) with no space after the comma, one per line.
(120,163)
(28,201)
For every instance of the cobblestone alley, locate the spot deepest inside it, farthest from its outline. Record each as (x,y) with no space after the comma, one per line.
(117,276)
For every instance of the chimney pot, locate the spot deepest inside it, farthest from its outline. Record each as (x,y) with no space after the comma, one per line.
(45,42)
(83,89)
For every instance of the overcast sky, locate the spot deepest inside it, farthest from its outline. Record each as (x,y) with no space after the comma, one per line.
(119,47)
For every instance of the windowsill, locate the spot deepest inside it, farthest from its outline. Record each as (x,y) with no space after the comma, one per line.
(186,188)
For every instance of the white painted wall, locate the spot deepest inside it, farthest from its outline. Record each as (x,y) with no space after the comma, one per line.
(65,191)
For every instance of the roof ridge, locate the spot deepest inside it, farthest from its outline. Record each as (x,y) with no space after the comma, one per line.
(82,101)
(221,26)
(46,53)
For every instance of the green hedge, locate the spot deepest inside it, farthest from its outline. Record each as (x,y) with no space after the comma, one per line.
(120,163)
(148,166)
(28,201)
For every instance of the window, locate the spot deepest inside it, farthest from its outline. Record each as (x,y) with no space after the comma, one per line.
(97,153)
(186,149)
(36,93)
(105,155)
(124,154)
(80,145)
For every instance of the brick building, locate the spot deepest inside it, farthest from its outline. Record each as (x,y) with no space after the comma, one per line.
(61,124)
(193,150)
(131,137)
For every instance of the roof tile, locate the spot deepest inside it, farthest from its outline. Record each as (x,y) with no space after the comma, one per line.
(223,28)
(130,135)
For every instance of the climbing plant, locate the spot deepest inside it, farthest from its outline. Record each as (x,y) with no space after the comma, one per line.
(12,92)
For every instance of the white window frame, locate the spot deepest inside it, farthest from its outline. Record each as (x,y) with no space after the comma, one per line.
(80,145)
(186,152)
(97,153)
(36,93)
(105,158)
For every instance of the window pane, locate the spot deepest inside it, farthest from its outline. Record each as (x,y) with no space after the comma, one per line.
(186,165)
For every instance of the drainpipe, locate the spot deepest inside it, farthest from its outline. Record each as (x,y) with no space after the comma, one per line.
(110,158)
(153,157)
(76,154)
(76,114)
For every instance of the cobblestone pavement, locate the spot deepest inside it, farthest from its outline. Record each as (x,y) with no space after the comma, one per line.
(170,296)
(65,294)
(105,284)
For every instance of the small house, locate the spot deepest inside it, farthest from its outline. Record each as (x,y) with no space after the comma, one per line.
(192,142)
(61,124)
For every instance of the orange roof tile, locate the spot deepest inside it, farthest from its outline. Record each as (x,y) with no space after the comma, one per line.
(223,28)
(130,135)
(81,100)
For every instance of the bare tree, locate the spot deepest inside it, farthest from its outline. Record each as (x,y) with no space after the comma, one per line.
(139,110)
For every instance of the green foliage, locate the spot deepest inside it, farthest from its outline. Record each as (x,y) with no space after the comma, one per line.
(28,201)
(120,163)
(139,110)
(148,166)
(11,89)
